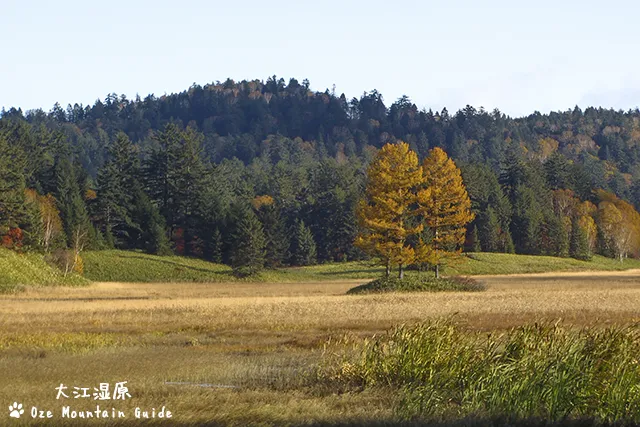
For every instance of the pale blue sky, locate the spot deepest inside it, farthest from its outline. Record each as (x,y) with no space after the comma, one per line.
(545,55)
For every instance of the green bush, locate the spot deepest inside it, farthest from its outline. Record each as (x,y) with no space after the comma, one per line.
(418,283)
(542,372)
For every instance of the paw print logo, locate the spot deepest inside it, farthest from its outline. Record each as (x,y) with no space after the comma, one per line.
(15,410)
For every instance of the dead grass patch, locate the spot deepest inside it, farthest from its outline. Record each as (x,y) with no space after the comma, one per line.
(260,337)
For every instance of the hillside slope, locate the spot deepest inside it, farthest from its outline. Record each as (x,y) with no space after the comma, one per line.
(18,270)
(127,266)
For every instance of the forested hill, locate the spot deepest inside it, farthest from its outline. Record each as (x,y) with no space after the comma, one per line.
(194,163)
(235,119)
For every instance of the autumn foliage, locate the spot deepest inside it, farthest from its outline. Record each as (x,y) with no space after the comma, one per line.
(403,198)
(388,207)
(13,239)
(619,225)
(444,206)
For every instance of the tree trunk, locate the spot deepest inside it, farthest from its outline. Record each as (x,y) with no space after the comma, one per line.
(401,272)
(435,247)
(388,268)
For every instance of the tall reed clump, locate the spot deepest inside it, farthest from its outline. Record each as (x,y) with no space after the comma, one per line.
(531,372)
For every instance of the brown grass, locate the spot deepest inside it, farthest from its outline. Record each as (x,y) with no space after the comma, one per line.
(261,338)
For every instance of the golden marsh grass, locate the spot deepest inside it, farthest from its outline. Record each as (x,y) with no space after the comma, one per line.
(262,338)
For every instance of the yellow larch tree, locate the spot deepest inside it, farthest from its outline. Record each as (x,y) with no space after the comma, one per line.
(388,207)
(445,208)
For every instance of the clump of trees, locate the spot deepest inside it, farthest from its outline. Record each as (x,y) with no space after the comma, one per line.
(413,213)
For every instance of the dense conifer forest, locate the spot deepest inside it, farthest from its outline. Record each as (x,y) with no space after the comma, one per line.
(257,173)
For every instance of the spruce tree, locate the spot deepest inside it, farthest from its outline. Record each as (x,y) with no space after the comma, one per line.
(150,233)
(118,180)
(303,249)
(507,241)
(489,232)
(248,249)
(475,240)
(555,236)
(216,246)
(527,221)
(176,176)
(73,210)
(12,186)
(275,236)
(579,246)
(157,241)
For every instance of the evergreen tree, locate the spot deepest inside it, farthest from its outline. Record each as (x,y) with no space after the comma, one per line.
(342,229)
(12,186)
(475,240)
(117,183)
(248,251)
(156,240)
(526,226)
(490,231)
(276,239)
(558,172)
(507,242)
(187,187)
(579,246)
(108,238)
(216,246)
(303,248)
(555,236)
(176,176)
(150,233)
(73,210)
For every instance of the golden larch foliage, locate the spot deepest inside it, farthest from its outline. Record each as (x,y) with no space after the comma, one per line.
(260,201)
(445,206)
(386,210)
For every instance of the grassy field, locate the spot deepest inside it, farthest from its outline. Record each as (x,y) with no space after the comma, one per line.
(286,348)
(491,264)
(257,353)
(18,270)
(122,266)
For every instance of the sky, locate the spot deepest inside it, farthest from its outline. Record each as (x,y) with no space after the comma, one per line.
(542,56)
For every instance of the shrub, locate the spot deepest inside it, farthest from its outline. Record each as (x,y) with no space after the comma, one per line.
(419,283)
(67,261)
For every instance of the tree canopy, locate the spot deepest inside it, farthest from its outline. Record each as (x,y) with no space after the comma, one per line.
(174,173)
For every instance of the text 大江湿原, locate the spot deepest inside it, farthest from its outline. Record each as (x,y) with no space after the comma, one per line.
(102,392)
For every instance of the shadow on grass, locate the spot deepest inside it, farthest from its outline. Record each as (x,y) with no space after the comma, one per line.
(178,265)
(348,272)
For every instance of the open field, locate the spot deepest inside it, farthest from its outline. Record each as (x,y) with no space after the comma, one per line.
(245,353)
(30,269)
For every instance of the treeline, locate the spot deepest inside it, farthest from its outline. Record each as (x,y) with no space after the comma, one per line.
(171,198)
(206,171)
